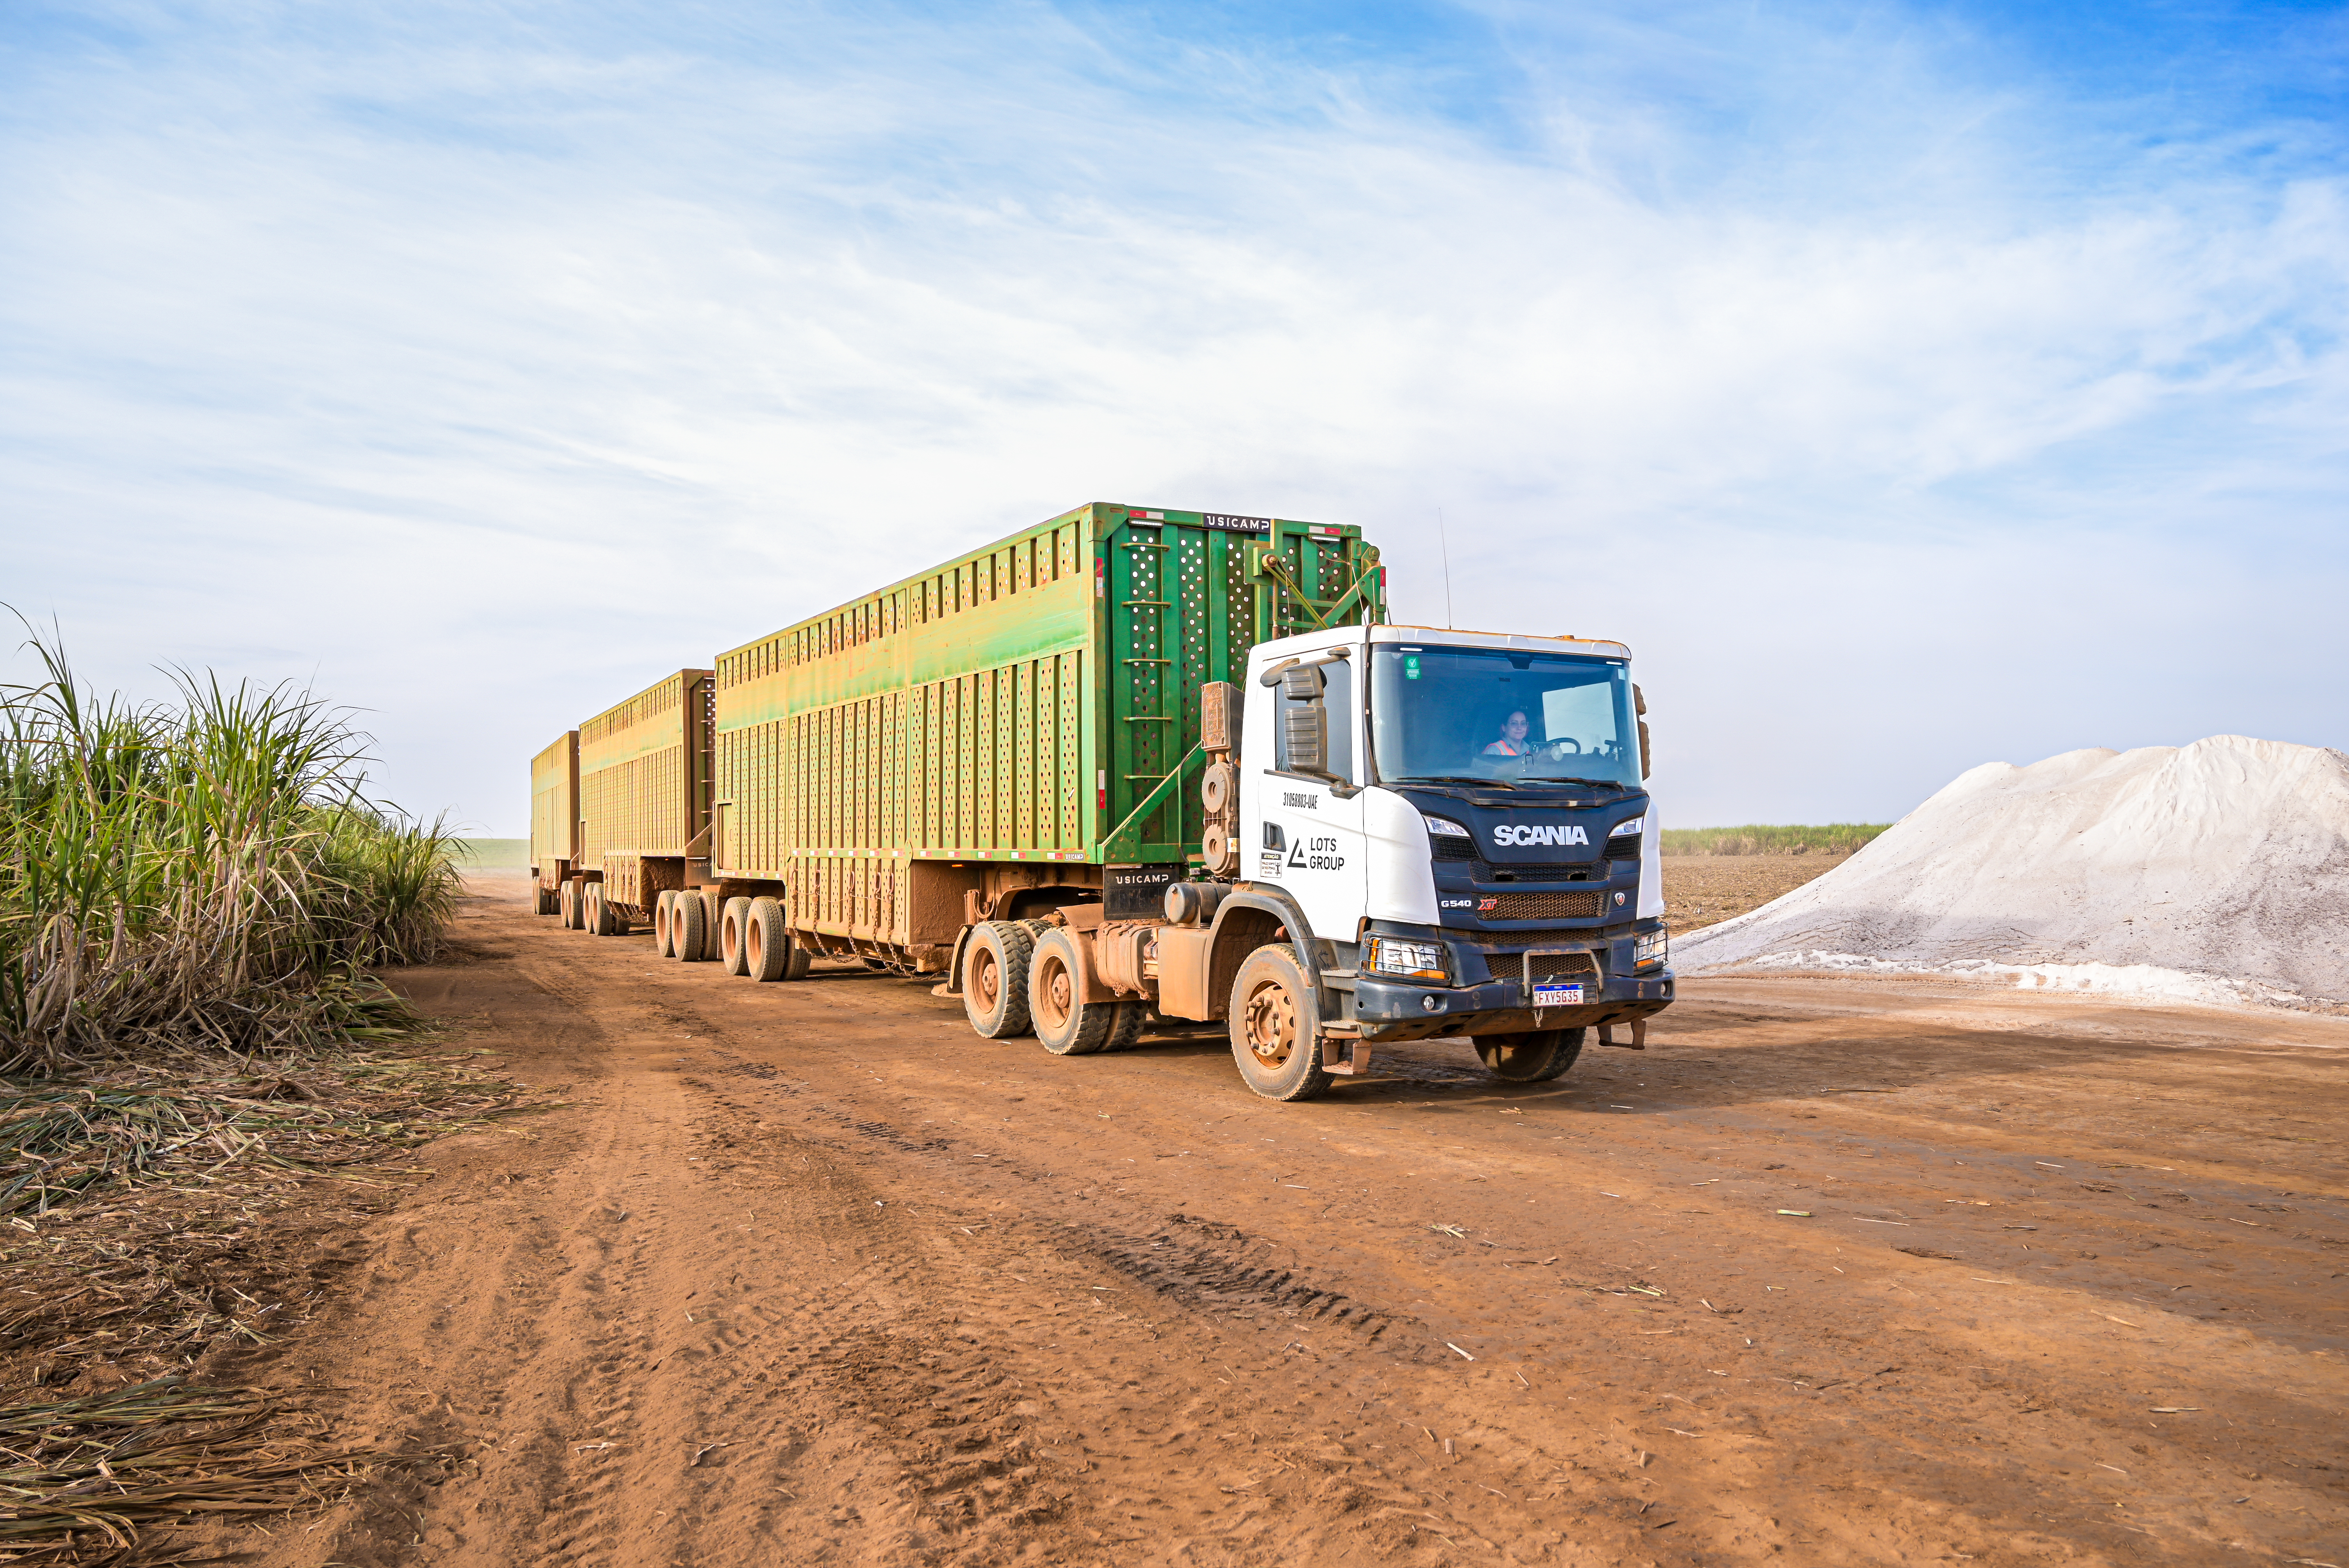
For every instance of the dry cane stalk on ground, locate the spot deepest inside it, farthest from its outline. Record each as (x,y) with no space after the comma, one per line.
(139,1206)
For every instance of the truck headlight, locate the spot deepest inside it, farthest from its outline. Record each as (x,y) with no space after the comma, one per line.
(1444,827)
(1625,830)
(1652,948)
(1410,959)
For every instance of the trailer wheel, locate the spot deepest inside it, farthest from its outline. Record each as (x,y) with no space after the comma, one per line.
(611,919)
(566,903)
(1066,1024)
(664,923)
(541,899)
(768,944)
(1276,1028)
(995,979)
(732,952)
(688,926)
(1535,1057)
(594,914)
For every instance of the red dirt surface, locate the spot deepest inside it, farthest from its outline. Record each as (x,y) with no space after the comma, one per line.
(808,1272)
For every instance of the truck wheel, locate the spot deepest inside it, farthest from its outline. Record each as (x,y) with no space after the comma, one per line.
(664,919)
(995,979)
(802,961)
(768,946)
(1066,1024)
(567,906)
(597,915)
(1276,1028)
(541,899)
(1124,1034)
(688,926)
(732,952)
(1535,1057)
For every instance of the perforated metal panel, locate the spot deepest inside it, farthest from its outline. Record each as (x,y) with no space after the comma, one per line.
(1019,704)
(1542,906)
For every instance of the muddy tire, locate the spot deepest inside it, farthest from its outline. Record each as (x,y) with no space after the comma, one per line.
(1126,1032)
(732,949)
(1066,1024)
(541,899)
(1275,1025)
(800,962)
(691,927)
(596,915)
(1535,1057)
(995,979)
(566,903)
(664,920)
(767,953)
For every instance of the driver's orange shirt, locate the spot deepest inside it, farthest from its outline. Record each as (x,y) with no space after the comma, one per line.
(1502,748)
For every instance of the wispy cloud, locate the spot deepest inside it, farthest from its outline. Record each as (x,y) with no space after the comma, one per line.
(1901,402)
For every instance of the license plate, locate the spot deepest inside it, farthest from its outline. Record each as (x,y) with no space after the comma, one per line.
(1546,995)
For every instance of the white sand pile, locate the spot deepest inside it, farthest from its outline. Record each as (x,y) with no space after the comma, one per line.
(2214,873)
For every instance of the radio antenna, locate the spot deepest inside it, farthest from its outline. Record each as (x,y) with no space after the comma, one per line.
(1445,544)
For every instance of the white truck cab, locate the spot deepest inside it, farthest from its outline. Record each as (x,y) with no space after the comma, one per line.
(1409,835)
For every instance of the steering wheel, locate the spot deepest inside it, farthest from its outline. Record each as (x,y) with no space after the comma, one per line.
(1558,748)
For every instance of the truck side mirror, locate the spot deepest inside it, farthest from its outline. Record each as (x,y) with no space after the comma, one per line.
(1640,703)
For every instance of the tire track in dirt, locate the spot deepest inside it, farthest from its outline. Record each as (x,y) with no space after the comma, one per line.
(886,1295)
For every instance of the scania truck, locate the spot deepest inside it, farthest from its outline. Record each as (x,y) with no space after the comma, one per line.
(1138,770)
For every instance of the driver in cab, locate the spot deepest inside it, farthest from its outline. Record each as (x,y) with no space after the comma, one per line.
(1507,758)
(1512,742)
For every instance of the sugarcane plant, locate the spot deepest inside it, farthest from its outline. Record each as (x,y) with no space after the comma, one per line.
(205,870)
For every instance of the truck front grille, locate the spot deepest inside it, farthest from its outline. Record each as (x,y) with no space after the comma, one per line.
(1542,906)
(1546,871)
(1562,966)
(1452,847)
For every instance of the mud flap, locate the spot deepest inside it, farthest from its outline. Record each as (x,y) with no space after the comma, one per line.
(951,986)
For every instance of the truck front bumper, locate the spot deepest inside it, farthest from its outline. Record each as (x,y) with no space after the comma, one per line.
(1395,1010)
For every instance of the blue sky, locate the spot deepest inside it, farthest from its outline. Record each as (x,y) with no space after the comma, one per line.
(1912,386)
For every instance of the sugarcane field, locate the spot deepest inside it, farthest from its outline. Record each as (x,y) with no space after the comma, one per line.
(1182,786)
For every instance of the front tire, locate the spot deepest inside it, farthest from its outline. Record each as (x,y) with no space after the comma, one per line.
(1535,1057)
(1275,1025)
(995,979)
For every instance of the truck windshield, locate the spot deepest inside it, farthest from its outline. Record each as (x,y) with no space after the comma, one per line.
(1464,714)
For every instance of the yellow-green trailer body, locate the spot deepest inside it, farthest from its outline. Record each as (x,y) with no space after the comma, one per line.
(554,810)
(644,789)
(1018,717)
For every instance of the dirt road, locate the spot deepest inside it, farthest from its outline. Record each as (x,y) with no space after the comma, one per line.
(1835,1272)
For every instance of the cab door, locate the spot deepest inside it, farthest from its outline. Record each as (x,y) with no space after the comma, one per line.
(1309,840)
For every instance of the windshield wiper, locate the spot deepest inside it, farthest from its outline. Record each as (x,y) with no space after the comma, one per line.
(1564,778)
(1452,779)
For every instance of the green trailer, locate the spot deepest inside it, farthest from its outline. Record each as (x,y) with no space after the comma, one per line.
(1006,731)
